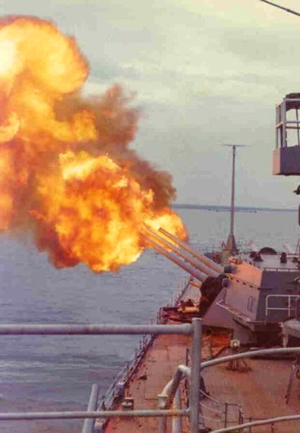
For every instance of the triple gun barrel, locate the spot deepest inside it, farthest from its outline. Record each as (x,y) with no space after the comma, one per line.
(196,264)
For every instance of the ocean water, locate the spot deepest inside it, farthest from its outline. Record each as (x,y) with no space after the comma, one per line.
(56,372)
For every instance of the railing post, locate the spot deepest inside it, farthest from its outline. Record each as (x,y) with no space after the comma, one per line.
(176,421)
(297,314)
(88,426)
(195,375)
(250,420)
(162,424)
(162,421)
(267,306)
(226,414)
(241,417)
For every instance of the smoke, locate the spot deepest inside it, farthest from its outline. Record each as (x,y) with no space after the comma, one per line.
(67,173)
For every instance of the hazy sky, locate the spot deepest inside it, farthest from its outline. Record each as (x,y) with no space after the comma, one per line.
(205,72)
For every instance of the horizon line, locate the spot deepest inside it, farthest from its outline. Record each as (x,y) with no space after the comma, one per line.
(227,207)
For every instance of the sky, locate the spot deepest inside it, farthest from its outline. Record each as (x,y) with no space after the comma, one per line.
(204,73)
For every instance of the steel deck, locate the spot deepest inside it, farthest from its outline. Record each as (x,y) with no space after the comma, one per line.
(259,392)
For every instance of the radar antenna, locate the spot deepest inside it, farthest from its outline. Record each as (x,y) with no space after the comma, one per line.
(290,11)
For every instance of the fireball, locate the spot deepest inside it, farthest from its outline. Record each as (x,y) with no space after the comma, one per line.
(67,174)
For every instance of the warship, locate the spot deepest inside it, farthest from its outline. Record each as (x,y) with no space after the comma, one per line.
(248,306)
(225,355)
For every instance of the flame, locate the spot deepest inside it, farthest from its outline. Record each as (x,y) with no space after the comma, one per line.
(67,174)
(8,56)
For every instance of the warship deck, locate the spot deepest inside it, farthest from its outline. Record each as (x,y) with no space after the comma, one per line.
(153,374)
(260,392)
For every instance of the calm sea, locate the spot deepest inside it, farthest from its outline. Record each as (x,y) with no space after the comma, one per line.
(56,372)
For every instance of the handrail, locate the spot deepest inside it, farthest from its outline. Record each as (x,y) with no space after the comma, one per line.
(193,329)
(257,423)
(211,409)
(22,416)
(93,329)
(137,329)
(281,269)
(249,354)
(289,307)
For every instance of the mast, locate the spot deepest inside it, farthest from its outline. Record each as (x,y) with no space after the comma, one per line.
(231,243)
(232,209)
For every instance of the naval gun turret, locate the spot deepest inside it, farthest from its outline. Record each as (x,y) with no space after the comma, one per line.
(252,296)
(263,293)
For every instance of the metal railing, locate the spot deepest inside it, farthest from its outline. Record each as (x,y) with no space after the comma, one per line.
(192,411)
(218,412)
(194,329)
(252,419)
(253,422)
(291,307)
(279,269)
(228,420)
(257,423)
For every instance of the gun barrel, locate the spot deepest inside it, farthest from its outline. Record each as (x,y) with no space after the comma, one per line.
(207,261)
(171,256)
(191,260)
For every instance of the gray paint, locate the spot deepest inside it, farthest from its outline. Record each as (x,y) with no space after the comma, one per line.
(217,316)
(248,290)
(286,160)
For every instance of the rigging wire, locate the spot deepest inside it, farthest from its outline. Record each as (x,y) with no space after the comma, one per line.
(291,11)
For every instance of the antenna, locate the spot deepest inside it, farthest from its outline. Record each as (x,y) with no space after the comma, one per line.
(291,11)
(231,244)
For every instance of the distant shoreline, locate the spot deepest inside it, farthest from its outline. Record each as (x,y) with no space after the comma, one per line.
(227,208)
